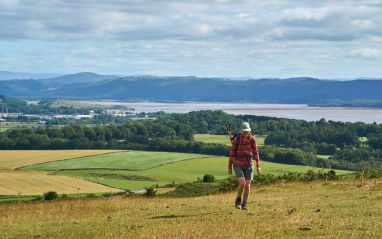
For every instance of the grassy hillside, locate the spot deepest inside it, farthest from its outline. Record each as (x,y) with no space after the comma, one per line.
(11,159)
(297,210)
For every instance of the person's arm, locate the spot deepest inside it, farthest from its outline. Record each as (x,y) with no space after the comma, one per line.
(232,155)
(255,153)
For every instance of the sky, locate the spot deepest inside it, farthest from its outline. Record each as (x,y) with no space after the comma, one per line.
(325,39)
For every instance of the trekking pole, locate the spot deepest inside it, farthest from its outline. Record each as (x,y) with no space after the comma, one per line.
(229,130)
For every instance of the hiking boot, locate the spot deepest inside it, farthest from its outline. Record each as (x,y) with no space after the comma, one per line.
(244,206)
(238,203)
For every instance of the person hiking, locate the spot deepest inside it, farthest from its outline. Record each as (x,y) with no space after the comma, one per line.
(243,152)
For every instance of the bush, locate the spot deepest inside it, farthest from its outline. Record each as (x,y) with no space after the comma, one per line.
(91,195)
(208,178)
(38,198)
(228,185)
(107,195)
(262,179)
(150,192)
(64,196)
(331,175)
(51,195)
(195,189)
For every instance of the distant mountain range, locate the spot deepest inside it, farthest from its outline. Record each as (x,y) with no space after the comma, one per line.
(292,90)
(8,75)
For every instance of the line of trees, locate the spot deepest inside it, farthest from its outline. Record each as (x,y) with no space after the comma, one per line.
(14,105)
(287,141)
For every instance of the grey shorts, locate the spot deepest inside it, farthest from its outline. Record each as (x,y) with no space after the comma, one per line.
(243,171)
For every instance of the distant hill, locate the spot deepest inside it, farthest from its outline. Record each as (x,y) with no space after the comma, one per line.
(292,90)
(82,77)
(7,75)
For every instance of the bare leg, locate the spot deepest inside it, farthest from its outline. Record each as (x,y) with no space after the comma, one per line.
(247,189)
(241,186)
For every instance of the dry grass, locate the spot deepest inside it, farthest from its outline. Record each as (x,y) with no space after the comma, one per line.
(298,210)
(11,159)
(32,183)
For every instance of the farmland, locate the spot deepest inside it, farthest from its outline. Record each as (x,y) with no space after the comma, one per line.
(17,182)
(294,210)
(131,160)
(32,183)
(134,170)
(11,159)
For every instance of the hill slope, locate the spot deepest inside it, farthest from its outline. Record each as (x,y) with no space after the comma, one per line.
(296,210)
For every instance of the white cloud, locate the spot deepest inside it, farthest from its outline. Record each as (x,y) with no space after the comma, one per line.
(306,14)
(368,53)
(176,34)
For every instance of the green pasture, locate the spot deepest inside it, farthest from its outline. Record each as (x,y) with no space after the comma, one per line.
(130,160)
(222,139)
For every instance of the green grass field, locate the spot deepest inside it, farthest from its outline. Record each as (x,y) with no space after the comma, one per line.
(152,168)
(222,139)
(130,160)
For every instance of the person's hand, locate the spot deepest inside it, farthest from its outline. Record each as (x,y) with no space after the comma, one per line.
(230,171)
(258,170)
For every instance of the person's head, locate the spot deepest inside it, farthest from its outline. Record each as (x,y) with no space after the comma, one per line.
(245,128)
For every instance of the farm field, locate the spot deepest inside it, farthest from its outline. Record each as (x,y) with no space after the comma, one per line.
(17,182)
(222,139)
(11,159)
(33,183)
(130,160)
(181,168)
(126,170)
(339,209)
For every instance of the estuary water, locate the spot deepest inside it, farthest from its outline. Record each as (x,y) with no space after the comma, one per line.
(292,111)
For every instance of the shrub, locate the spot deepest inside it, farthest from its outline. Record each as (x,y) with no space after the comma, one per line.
(51,195)
(91,195)
(107,195)
(310,176)
(228,185)
(331,175)
(150,192)
(38,198)
(64,196)
(208,178)
(195,189)
(262,179)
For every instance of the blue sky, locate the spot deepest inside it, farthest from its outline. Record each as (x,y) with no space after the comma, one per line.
(216,38)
